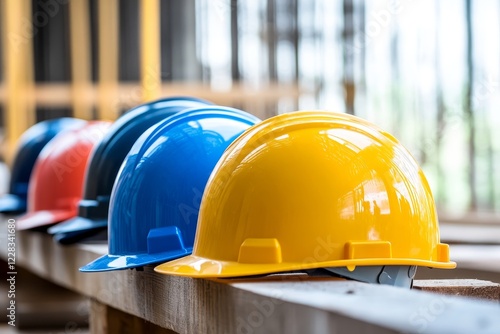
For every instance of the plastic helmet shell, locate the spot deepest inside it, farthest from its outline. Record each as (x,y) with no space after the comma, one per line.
(29,146)
(155,200)
(57,181)
(313,190)
(105,161)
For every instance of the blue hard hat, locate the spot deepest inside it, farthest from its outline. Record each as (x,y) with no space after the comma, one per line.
(105,162)
(29,146)
(156,196)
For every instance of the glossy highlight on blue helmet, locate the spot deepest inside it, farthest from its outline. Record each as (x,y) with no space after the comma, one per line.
(156,196)
(30,145)
(106,160)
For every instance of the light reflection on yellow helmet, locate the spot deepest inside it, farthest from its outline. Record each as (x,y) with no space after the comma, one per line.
(313,190)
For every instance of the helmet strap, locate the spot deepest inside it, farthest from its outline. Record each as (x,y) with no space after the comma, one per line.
(401,276)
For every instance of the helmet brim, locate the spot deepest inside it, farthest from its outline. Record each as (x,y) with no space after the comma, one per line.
(78,229)
(79,225)
(69,238)
(120,262)
(195,266)
(10,203)
(43,218)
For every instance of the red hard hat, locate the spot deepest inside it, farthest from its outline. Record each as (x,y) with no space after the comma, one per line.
(57,181)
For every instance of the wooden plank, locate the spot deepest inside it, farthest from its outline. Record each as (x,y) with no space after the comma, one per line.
(150,65)
(7,329)
(280,304)
(81,64)
(98,319)
(461,287)
(108,59)
(28,68)
(41,303)
(106,319)
(59,95)
(18,66)
(461,272)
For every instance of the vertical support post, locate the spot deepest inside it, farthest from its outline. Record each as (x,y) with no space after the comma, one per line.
(469,109)
(294,13)
(81,64)
(235,62)
(150,66)
(106,319)
(348,56)
(18,56)
(108,59)
(272,39)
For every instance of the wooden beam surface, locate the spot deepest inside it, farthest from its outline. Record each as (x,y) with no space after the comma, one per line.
(285,304)
(461,287)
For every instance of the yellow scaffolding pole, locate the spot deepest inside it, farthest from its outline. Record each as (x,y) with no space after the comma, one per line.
(150,65)
(17,42)
(81,63)
(108,59)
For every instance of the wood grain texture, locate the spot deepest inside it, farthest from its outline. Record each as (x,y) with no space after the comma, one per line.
(280,304)
(458,273)
(105,319)
(462,287)
(98,319)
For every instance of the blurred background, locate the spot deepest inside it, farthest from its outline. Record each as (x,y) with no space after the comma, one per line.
(426,71)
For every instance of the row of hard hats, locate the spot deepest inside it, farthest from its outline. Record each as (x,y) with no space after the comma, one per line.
(219,195)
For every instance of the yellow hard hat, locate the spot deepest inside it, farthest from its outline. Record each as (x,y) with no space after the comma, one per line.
(312,190)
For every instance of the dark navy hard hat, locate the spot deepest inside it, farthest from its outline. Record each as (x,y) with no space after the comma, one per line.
(105,162)
(29,146)
(155,199)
